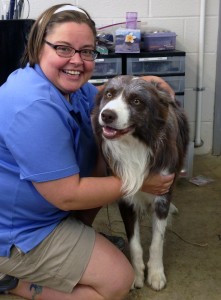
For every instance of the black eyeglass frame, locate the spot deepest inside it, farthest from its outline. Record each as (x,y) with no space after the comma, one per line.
(94,53)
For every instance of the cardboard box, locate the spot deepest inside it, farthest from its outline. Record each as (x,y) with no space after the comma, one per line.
(127,40)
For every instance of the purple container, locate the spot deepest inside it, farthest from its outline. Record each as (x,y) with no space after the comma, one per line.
(131,20)
(158,41)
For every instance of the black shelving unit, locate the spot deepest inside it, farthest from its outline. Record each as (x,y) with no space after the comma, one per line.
(13,39)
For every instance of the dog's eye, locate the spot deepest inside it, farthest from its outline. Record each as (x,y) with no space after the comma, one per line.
(108,95)
(136,101)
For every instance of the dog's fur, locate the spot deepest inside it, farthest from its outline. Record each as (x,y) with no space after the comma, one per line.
(141,130)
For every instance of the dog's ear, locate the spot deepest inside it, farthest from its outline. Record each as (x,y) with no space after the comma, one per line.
(99,95)
(97,101)
(162,102)
(165,97)
(163,86)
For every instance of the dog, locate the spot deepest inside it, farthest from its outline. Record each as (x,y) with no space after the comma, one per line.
(141,130)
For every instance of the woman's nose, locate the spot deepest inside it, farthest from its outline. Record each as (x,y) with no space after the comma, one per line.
(76,58)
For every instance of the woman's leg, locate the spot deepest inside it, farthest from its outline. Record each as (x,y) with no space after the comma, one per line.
(108,276)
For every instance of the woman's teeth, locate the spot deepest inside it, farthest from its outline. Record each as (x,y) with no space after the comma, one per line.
(71,72)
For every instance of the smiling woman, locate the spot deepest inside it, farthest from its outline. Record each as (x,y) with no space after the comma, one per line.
(57,176)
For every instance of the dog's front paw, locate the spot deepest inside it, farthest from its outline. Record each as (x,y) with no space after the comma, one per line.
(138,282)
(139,267)
(156,279)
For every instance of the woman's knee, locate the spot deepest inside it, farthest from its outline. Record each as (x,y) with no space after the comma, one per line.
(118,288)
(121,274)
(125,281)
(114,273)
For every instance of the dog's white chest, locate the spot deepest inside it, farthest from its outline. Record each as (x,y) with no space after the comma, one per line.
(128,159)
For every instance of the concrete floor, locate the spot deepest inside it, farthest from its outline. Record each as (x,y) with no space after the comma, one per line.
(192,251)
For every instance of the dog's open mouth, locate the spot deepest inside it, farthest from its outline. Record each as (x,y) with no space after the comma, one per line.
(113,133)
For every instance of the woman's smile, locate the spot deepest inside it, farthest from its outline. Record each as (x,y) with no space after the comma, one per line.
(71,72)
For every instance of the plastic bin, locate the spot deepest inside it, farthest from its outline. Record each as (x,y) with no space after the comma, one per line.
(158,41)
(107,67)
(156,65)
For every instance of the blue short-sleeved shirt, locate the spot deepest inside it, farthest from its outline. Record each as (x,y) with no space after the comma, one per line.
(43,137)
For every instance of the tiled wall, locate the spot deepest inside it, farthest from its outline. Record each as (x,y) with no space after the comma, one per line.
(175,15)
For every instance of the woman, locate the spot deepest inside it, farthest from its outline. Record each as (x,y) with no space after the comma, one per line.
(49,170)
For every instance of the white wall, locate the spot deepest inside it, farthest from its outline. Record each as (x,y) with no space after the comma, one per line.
(175,15)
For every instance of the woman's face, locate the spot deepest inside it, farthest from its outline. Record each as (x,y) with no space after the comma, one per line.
(67,74)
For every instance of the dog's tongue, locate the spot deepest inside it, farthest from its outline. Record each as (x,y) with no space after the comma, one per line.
(109,132)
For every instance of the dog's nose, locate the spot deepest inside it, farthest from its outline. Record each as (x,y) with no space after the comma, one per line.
(108,116)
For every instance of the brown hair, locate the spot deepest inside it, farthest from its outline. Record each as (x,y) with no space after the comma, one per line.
(45,23)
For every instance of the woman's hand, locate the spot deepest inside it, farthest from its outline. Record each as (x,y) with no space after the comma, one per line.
(158,184)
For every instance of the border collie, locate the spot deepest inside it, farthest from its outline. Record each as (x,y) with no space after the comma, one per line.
(141,130)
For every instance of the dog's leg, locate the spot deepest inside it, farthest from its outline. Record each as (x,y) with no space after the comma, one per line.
(136,253)
(156,276)
(132,227)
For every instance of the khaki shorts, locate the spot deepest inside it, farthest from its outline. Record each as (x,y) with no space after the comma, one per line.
(59,261)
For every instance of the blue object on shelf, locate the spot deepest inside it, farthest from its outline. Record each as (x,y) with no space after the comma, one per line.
(11,9)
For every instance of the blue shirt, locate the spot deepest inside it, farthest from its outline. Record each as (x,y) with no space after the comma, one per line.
(43,137)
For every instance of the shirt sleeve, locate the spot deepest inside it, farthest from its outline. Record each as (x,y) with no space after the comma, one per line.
(42,140)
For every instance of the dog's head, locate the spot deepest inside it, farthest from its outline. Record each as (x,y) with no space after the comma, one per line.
(130,105)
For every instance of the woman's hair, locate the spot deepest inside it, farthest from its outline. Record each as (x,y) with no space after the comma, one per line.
(45,24)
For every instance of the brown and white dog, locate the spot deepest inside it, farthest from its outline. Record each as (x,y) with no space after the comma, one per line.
(141,130)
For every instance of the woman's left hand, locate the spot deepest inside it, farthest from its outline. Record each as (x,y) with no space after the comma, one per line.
(158,184)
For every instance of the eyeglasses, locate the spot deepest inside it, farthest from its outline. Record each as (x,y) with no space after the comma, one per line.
(67,51)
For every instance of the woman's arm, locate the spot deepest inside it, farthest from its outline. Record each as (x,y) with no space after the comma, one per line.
(75,193)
